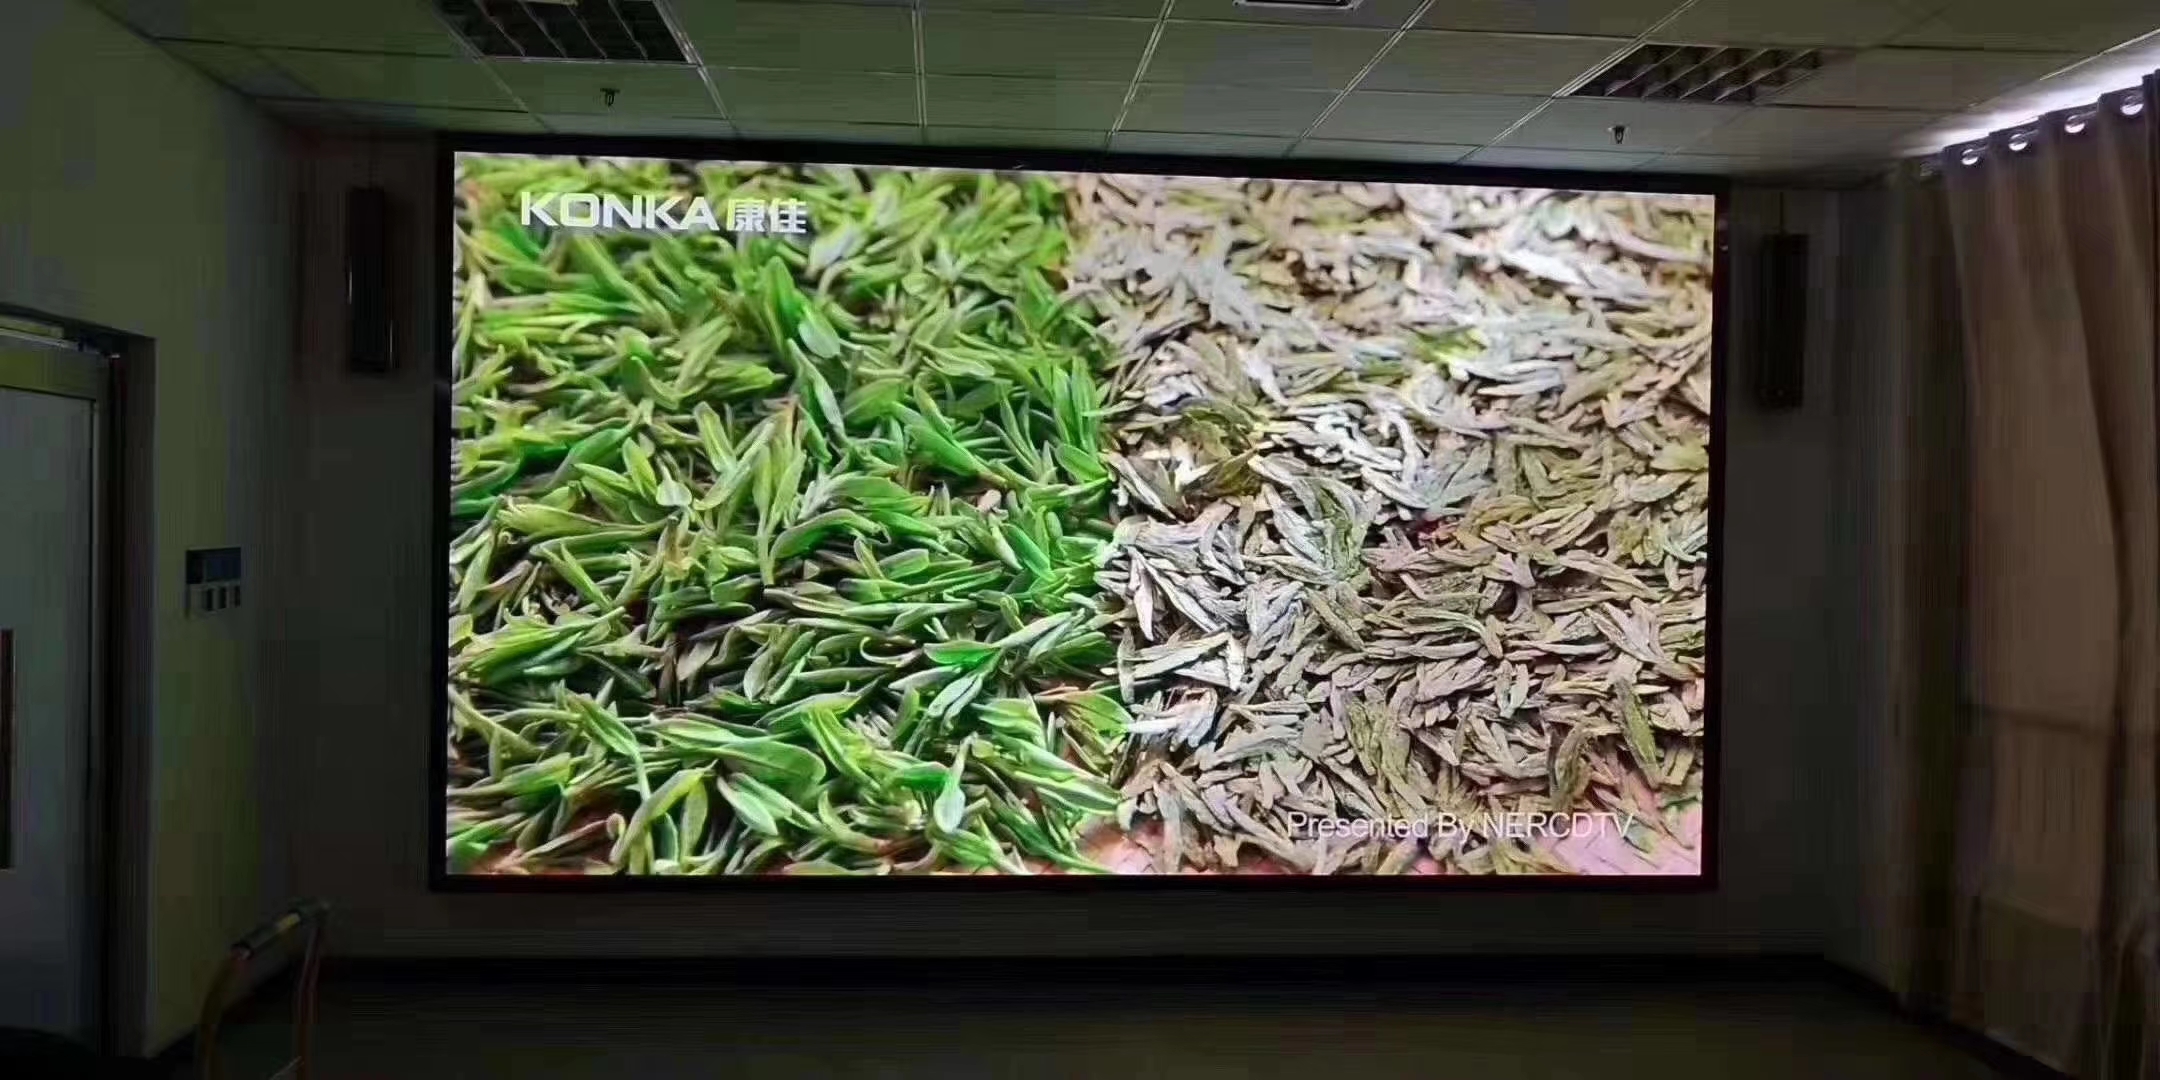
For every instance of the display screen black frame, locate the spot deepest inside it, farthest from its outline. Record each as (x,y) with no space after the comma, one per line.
(440,216)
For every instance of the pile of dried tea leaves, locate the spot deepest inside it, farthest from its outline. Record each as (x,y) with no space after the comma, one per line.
(776,554)
(1414,485)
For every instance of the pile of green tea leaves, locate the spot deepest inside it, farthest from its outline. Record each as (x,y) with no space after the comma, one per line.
(775,553)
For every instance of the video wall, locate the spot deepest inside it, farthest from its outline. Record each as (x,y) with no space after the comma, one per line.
(811,519)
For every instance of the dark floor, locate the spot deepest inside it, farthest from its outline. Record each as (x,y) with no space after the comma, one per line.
(947,1025)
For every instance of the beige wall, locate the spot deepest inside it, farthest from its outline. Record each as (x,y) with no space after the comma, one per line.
(137,194)
(355,689)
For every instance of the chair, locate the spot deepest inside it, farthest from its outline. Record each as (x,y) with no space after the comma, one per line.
(302,923)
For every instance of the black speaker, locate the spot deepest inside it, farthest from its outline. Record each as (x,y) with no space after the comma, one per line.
(370,328)
(1781,284)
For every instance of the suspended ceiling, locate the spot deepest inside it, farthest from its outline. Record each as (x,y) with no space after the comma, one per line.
(1472,81)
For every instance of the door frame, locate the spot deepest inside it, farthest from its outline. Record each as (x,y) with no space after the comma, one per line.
(64,366)
(128,655)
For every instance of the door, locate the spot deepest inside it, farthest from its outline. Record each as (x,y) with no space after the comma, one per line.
(50,416)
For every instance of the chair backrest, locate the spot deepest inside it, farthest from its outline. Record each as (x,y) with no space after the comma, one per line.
(273,942)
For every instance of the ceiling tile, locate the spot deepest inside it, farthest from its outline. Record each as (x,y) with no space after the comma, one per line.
(1726,164)
(1703,164)
(1284,57)
(821,37)
(1788,131)
(1945,131)
(1139,8)
(342,113)
(613,124)
(824,131)
(397,80)
(315,112)
(1922,78)
(406,26)
(1381,13)
(1652,126)
(1761,168)
(1619,18)
(1162,142)
(1518,157)
(1435,118)
(1773,22)
(452,120)
(1487,63)
(2075,86)
(1227,109)
(1042,46)
(1371,150)
(1000,138)
(640,90)
(239,67)
(828,96)
(1850,174)
(2078,25)
(991,101)
(152,18)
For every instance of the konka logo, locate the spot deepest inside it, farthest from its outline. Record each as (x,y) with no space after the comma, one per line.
(587,210)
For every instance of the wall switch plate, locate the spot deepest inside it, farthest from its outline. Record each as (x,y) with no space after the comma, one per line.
(213,580)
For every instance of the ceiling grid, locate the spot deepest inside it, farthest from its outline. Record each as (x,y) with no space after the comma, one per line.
(1162,19)
(1475,81)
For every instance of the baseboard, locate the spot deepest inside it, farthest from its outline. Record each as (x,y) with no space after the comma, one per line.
(1289,969)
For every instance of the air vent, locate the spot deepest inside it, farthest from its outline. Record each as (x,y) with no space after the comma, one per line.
(1706,73)
(625,31)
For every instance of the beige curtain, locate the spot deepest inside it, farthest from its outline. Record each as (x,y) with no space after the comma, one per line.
(2033,578)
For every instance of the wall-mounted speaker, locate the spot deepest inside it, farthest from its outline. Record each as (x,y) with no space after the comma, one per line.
(1781,308)
(370,327)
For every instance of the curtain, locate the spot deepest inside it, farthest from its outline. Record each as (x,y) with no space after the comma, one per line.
(2030,622)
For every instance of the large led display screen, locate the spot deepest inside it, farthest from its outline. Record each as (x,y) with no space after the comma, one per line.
(815,519)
